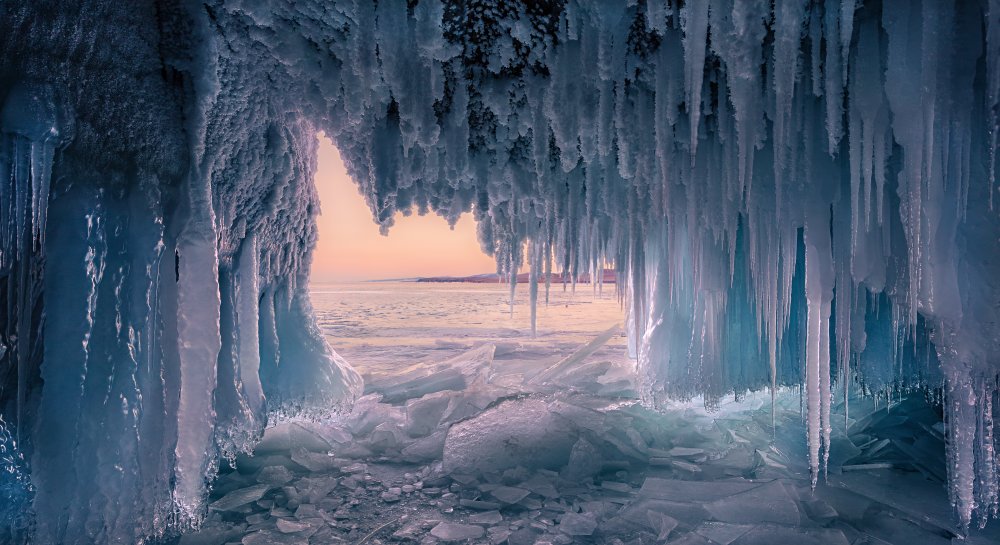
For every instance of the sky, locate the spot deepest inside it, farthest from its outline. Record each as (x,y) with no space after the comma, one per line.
(350,247)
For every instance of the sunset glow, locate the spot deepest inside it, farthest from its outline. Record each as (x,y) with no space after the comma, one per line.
(351,248)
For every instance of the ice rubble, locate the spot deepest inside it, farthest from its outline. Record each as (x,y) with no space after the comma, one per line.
(795,194)
(614,471)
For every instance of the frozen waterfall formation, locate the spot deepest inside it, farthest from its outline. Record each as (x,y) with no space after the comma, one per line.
(796,192)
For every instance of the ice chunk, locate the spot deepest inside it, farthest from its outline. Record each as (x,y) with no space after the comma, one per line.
(662,524)
(766,503)
(509,494)
(288,436)
(721,532)
(456,373)
(274,475)
(291,526)
(566,365)
(585,460)
(767,534)
(314,461)
(450,531)
(424,414)
(426,449)
(688,491)
(487,517)
(513,433)
(574,524)
(239,498)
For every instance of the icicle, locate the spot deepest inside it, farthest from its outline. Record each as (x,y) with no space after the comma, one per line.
(534,257)
(248,312)
(993,89)
(819,295)
(694,21)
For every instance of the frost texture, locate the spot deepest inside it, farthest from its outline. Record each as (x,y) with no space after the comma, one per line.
(795,192)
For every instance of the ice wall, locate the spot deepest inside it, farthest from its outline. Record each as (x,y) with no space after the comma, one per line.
(797,192)
(156,220)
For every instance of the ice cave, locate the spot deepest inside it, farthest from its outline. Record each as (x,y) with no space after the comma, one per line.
(799,199)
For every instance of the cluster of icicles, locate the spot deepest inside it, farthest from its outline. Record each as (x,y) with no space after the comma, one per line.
(795,196)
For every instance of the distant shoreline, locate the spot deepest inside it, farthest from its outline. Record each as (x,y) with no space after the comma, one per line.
(494,278)
(610,277)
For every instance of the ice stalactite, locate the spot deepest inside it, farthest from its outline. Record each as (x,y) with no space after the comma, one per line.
(793,192)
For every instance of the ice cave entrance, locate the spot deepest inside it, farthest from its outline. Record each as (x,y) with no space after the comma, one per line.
(425,292)
(471,429)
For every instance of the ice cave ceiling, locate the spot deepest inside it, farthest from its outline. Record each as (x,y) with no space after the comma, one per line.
(796,192)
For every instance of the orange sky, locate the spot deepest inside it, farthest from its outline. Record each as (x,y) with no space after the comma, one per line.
(351,248)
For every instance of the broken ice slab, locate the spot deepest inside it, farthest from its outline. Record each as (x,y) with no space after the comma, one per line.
(315,462)
(518,432)
(239,498)
(274,537)
(470,402)
(884,527)
(585,461)
(574,524)
(480,505)
(456,373)
(820,511)
(291,527)
(582,417)
(921,500)
(288,436)
(768,502)
(692,491)
(686,452)
(370,411)
(250,465)
(685,467)
(274,475)
(425,449)
(424,414)
(542,485)
(869,467)
(450,531)
(768,534)
(841,450)
(498,535)
(213,536)
(565,365)
(661,523)
(386,436)
(722,533)
(316,488)
(509,494)
(488,517)
(637,513)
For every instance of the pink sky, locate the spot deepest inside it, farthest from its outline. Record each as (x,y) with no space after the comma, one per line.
(351,248)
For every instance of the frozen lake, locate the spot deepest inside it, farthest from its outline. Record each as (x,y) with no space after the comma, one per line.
(381,327)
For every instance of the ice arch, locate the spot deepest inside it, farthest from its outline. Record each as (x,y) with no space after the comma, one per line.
(795,191)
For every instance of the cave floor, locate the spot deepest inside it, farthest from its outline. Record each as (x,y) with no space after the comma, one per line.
(491,435)
(577,459)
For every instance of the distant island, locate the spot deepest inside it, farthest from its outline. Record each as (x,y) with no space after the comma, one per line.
(494,278)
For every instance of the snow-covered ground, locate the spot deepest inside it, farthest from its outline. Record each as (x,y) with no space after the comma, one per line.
(471,431)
